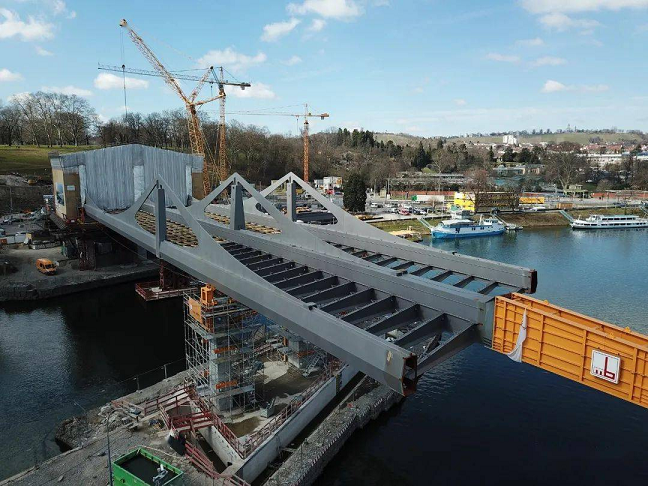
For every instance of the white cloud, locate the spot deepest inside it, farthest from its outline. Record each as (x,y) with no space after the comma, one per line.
(110,81)
(33,29)
(460,102)
(549,61)
(257,90)
(537,42)
(292,61)
(43,52)
(273,32)
(6,75)
(68,90)
(575,6)
(552,86)
(561,22)
(335,9)
(494,56)
(317,25)
(230,58)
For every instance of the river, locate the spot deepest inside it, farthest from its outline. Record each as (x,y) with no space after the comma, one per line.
(477,419)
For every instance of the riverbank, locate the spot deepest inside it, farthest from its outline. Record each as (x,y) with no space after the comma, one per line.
(364,403)
(86,462)
(539,219)
(27,283)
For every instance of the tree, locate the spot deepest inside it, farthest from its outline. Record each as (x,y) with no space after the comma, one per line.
(420,159)
(355,192)
(564,167)
(509,155)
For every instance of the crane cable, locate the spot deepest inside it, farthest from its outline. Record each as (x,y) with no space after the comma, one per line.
(121,33)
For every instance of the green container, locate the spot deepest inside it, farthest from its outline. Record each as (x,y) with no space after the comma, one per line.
(138,467)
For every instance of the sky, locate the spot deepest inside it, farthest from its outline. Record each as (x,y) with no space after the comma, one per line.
(424,67)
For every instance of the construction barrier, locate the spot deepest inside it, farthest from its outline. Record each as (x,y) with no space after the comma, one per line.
(603,356)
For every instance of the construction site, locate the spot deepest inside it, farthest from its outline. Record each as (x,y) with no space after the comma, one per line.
(300,326)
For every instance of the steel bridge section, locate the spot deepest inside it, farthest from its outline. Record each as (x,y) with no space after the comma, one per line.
(357,236)
(330,296)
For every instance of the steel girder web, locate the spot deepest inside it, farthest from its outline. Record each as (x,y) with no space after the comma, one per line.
(209,261)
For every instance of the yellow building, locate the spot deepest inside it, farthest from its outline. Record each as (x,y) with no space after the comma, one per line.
(485,201)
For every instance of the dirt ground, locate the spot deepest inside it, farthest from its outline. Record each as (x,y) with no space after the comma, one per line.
(28,283)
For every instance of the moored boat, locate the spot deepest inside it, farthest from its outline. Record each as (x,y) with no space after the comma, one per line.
(614,221)
(467,228)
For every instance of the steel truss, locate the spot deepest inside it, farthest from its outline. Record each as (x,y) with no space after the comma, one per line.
(332,295)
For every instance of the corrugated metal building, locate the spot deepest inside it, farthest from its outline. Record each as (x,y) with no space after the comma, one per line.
(114,177)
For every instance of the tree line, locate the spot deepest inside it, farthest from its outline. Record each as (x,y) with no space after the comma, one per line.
(47,119)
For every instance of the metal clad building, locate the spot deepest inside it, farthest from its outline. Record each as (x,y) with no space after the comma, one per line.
(115,177)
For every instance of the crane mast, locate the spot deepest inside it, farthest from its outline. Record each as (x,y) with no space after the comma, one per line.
(196,138)
(305,132)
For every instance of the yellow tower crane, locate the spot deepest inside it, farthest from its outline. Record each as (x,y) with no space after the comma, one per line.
(217,79)
(305,132)
(196,136)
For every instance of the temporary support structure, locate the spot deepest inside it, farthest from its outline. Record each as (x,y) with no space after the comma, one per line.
(220,343)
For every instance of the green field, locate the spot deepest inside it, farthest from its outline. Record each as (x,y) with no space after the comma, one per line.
(29,160)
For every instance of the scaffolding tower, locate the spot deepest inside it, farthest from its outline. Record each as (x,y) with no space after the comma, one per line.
(221,340)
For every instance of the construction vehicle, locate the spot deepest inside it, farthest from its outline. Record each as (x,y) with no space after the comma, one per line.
(46,266)
(196,136)
(305,132)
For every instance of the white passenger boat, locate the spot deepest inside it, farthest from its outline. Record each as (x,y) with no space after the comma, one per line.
(467,228)
(616,221)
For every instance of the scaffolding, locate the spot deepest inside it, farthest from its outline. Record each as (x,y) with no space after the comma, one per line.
(221,341)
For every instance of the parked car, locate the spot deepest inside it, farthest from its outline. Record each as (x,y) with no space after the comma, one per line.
(537,208)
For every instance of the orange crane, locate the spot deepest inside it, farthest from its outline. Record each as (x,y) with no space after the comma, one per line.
(223,167)
(196,136)
(305,132)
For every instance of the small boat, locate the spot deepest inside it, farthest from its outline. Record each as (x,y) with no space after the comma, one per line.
(467,228)
(616,221)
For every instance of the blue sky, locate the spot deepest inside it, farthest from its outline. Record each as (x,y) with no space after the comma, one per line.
(426,67)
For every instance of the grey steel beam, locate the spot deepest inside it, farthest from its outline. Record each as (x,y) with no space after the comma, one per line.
(378,307)
(262,272)
(442,276)
(257,259)
(423,330)
(310,276)
(403,266)
(359,297)
(421,271)
(311,287)
(283,275)
(464,281)
(388,261)
(266,263)
(489,288)
(333,293)
(398,319)
(458,342)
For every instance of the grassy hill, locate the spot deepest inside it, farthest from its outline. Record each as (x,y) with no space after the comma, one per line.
(581,138)
(30,160)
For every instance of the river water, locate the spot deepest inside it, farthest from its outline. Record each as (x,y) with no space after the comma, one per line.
(477,419)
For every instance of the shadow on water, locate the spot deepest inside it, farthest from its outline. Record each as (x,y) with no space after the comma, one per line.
(482,419)
(62,356)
